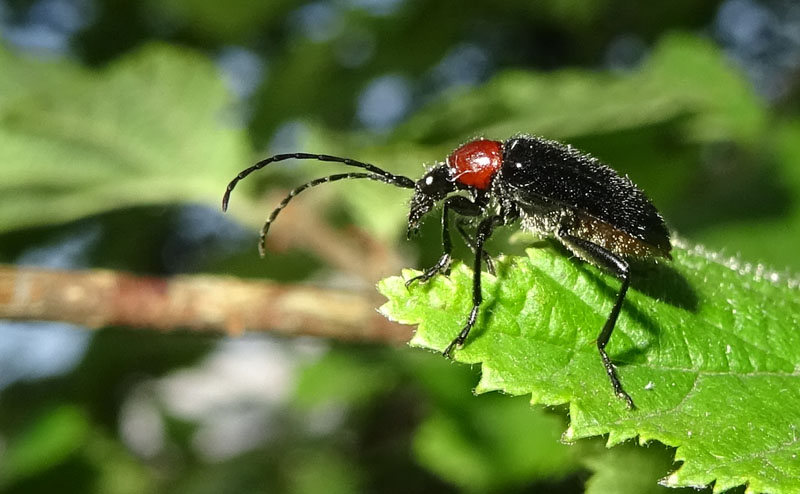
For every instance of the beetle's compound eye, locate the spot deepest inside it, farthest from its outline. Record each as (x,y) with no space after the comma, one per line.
(475,163)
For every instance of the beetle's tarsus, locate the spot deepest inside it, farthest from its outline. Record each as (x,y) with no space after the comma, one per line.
(448,352)
(611,371)
(442,266)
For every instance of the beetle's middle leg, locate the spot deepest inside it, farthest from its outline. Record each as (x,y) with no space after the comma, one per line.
(487,258)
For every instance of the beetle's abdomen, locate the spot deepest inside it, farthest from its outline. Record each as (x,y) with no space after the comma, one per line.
(614,239)
(476,162)
(607,208)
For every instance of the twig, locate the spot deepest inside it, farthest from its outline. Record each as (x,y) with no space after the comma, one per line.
(99,298)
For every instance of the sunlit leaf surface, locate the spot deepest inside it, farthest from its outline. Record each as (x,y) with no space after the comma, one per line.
(709,351)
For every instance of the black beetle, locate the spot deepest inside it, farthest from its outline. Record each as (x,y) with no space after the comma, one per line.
(552,188)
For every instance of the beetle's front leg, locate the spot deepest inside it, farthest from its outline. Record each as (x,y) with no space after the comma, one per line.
(485,230)
(462,206)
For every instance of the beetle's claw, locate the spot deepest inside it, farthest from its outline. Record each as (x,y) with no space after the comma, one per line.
(448,352)
(441,267)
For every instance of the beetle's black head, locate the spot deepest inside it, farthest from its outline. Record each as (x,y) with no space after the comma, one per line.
(430,189)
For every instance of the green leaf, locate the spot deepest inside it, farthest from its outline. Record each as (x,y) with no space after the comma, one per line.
(323,470)
(671,85)
(234,20)
(707,348)
(149,129)
(50,440)
(23,76)
(117,470)
(630,470)
(343,379)
(492,444)
(747,235)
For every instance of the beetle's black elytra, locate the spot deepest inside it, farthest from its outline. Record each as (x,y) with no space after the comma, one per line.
(551,188)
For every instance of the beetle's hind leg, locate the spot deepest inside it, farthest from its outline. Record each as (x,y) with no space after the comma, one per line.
(605,259)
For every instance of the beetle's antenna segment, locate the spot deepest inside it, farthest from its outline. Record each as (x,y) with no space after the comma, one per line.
(389,178)
(262,242)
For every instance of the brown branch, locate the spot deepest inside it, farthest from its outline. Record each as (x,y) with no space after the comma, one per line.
(99,298)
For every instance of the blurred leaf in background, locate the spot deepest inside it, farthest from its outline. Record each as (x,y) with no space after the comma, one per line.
(121,122)
(149,129)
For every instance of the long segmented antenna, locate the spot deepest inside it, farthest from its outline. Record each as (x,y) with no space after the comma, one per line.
(262,242)
(396,180)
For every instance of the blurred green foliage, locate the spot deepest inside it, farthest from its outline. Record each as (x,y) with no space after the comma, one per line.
(154,136)
(136,124)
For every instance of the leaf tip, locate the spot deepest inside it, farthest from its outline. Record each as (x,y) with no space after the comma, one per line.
(387,286)
(669,481)
(569,435)
(421,342)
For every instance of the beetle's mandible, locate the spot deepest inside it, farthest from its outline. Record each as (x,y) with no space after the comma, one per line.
(551,188)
